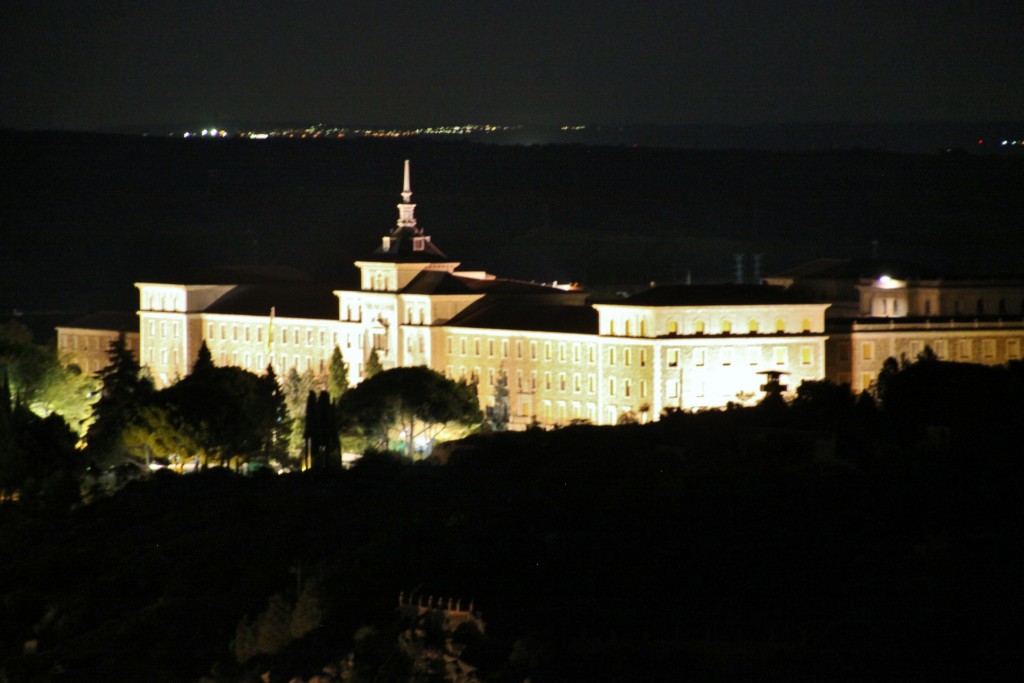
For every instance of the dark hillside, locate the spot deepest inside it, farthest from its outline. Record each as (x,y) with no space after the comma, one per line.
(84,216)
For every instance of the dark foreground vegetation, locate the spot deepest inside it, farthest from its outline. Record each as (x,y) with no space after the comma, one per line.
(830,539)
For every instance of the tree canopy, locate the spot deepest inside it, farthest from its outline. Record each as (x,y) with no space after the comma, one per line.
(414,404)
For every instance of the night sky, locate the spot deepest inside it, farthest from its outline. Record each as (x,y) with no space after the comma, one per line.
(99,64)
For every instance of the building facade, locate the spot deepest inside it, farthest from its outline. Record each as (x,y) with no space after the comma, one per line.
(543,350)
(895,309)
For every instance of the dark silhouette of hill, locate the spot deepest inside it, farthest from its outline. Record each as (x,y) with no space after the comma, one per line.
(83,216)
(825,541)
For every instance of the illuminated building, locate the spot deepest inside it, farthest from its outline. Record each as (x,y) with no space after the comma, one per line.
(85,342)
(560,357)
(894,309)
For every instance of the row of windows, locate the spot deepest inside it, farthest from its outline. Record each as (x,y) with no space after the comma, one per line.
(699,327)
(279,335)
(751,355)
(477,347)
(963,349)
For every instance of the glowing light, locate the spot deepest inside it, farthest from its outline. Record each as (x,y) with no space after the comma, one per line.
(188,135)
(885,279)
(205,131)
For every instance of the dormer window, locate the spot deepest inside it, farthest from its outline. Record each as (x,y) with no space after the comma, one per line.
(386,243)
(418,243)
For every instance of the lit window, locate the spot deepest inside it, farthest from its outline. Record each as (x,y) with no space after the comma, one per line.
(726,327)
(781,355)
(673,327)
(698,357)
(806,355)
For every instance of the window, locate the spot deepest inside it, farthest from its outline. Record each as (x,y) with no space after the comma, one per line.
(726,327)
(295,337)
(780,325)
(673,327)
(611,327)
(1013,348)
(752,326)
(547,350)
(547,380)
(643,328)
(476,347)
(561,352)
(988,348)
(504,348)
(673,358)
(643,358)
(805,325)
(726,356)
(627,357)
(490,376)
(806,355)
(462,346)
(698,327)
(754,355)
(519,349)
(533,350)
(629,330)
(490,348)
(611,356)
(643,388)
(450,345)
(867,351)
(672,388)
(576,353)
(576,384)
(781,355)
(611,386)
(561,381)
(964,349)
(698,357)
(591,383)
(626,387)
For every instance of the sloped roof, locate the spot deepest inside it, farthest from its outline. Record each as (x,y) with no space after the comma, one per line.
(442,282)
(714,295)
(292,300)
(507,315)
(118,321)
(401,249)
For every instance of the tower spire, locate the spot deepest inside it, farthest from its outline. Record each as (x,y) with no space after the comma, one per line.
(406,217)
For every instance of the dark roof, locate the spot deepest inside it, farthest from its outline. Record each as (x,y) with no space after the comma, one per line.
(505,315)
(118,321)
(442,282)
(713,295)
(437,282)
(855,269)
(402,251)
(236,275)
(293,300)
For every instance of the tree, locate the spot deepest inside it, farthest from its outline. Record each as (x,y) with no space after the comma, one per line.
(337,375)
(231,413)
(296,390)
(498,414)
(373,365)
(124,390)
(414,403)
